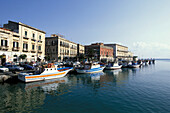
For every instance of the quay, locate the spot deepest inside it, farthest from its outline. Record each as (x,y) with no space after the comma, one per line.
(12,76)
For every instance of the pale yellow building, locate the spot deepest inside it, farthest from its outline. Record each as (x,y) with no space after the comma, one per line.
(80,49)
(22,39)
(59,48)
(121,52)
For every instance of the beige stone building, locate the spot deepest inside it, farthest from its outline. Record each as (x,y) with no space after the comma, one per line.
(121,52)
(18,38)
(59,48)
(80,49)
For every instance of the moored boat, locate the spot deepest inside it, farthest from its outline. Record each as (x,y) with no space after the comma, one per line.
(50,72)
(134,65)
(90,68)
(113,65)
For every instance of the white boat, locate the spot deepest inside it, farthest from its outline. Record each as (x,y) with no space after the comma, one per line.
(113,65)
(51,72)
(91,68)
(133,65)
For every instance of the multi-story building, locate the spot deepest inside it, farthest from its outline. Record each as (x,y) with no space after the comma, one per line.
(121,52)
(59,48)
(80,49)
(99,52)
(18,38)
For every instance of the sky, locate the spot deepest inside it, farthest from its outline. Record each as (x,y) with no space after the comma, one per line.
(141,25)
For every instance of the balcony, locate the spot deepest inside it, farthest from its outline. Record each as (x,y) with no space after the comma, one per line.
(25,38)
(15,49)
(33,40)
(5,48)
(33,51)
(39,51)
(25,50)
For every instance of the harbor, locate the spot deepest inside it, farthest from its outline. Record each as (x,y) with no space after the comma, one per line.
(45,71)
(128,90)
(84,56)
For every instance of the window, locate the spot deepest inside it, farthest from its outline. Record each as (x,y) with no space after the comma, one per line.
(4,43)
(40,37)
(39,47)
(15,44)
(33,46)
(25,45)
(33,35)
(25,33)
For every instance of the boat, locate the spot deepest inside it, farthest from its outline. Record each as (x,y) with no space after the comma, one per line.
(134,65)
(90,68)
(113,65)
(51,71)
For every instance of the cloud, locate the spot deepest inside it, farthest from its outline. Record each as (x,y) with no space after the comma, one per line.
(151,49)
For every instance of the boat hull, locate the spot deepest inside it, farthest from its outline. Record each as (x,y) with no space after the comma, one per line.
(33,78)
(94,70)
(113,67)
(133,66)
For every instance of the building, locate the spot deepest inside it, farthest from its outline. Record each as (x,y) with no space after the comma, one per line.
(80,49)
(99,52)
(121,52)
(59,48)
(18,38)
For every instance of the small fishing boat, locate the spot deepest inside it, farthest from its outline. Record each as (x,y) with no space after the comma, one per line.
(90,68)
(134,65)
(49,72)
(113,65)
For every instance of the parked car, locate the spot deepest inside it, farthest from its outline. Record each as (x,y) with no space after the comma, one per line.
(14,68)
(3,69)
(27,66)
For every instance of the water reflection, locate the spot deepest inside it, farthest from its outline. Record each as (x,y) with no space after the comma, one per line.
(15,99)
(23,97)
(47,85)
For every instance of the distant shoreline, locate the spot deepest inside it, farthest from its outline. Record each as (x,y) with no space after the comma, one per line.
(162,59)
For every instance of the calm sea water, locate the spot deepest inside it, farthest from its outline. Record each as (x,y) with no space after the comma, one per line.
(142,90)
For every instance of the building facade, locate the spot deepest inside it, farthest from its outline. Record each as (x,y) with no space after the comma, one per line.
(121,52)
(99,52)
(59,48)
(80,49)
(18,38)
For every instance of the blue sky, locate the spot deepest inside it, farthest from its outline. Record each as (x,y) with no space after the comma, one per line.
(142,25)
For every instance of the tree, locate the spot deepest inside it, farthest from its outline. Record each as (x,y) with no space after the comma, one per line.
(23,56)
(81,57)
(1,56)
(59,58)
(90,53)
(47,58)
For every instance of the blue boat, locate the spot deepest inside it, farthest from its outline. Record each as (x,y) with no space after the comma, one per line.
(90,68)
